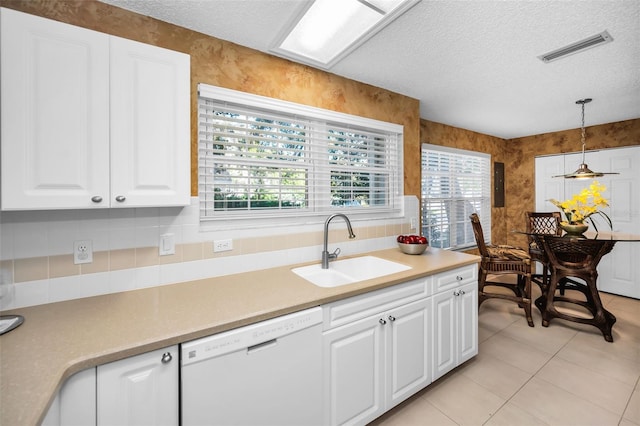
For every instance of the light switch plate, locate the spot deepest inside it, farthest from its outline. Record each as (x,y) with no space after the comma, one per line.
(167,245)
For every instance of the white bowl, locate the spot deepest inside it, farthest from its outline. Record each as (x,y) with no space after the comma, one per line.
(413,248)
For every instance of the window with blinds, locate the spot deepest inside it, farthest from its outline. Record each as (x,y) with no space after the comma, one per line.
(264,157)
(455,183)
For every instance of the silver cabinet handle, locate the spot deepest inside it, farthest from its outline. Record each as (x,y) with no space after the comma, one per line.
(456,293)
(120,198)
(96,199)
(392,318)
(166,357)
(458,277)
(462,292)
(382,321)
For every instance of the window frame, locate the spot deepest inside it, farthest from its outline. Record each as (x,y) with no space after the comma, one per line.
(463,224)
(316,117)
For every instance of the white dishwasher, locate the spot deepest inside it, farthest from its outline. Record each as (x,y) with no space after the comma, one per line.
(269,373)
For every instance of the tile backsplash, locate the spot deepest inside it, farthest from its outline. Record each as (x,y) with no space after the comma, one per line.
(36,257)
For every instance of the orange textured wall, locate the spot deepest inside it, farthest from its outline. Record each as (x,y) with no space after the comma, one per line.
(220,63)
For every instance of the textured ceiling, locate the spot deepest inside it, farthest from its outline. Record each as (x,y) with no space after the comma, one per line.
(472,64)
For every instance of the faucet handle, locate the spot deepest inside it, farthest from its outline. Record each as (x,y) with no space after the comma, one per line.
(335,254)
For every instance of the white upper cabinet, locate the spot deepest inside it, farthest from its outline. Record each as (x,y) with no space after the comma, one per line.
(55,114)
(90,120)
(150,138)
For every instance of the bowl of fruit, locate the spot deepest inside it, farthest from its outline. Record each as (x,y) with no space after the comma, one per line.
(412,244)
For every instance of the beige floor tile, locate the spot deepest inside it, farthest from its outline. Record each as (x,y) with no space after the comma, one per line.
(607,297)
(520,355)
(557,406)
(624,346)
(604,391)
(632,413)
(590,353)
(485,332)
(495,375)
(463,400)
(548,339)
(620,303)
(498,314)
(414,412)
(510,415)
(627,331)
(625,422)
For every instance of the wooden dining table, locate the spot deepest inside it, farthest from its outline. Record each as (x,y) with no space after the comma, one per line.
(573,262)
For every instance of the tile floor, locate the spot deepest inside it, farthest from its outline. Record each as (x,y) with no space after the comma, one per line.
(563,375)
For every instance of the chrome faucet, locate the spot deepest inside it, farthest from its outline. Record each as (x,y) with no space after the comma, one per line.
(326,256)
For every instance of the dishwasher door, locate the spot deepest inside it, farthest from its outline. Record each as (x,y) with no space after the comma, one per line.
(269,373)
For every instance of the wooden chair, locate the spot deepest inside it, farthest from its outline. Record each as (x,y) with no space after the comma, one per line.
(541,223)
(503,260)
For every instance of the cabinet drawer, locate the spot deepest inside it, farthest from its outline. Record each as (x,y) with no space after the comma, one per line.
(358,307)
(455,277)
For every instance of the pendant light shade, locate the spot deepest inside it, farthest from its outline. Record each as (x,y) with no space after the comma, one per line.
(583,171)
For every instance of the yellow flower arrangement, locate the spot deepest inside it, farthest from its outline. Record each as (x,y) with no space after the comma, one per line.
(583,205)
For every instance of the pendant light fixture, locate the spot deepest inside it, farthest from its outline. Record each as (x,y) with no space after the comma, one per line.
(584,172)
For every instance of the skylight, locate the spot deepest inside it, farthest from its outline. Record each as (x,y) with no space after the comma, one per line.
(331,29)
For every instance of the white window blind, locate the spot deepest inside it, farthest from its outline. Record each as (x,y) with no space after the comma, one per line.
(455,183)
(263,157)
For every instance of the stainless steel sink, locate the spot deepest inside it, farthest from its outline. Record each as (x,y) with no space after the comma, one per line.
(349,271)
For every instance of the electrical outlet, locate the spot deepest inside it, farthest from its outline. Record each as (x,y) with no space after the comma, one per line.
(414,223)
(82,252)
(222,245)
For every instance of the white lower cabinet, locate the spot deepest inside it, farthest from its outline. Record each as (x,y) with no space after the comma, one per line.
(75,404)
(407,351)
(140,390)
(382,347)
(455,308)
(376,362)
(354,371)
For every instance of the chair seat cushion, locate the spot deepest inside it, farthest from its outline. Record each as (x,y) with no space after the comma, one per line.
(507,252)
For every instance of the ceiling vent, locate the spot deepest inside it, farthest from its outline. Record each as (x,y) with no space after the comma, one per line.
(576,47)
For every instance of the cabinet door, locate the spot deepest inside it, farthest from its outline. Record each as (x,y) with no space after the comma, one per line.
(75,404)
(55,114)
(408,350)
(150,122)
(141,390)
(444,333)
(353,356)
(617,271)
(547,186)
(467,317)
